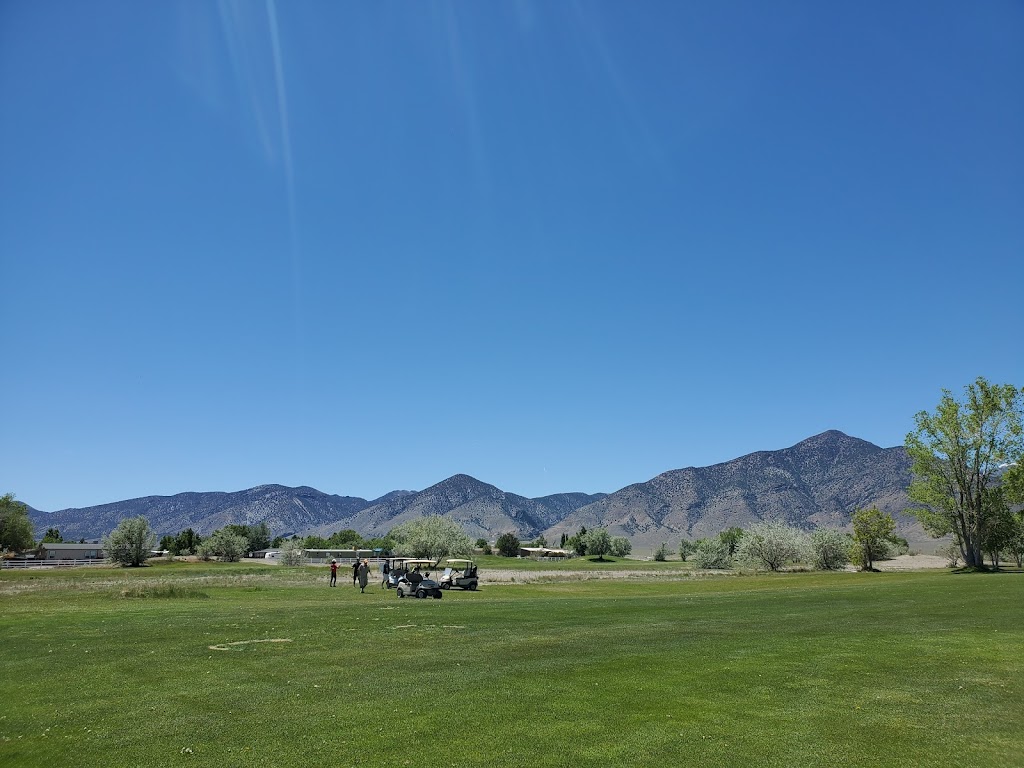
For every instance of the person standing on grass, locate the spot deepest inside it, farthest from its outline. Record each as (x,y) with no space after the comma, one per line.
(364,574)
(334,573)
(355,571)
(384,571)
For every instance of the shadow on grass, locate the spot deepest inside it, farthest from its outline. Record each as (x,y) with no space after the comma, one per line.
(986,569)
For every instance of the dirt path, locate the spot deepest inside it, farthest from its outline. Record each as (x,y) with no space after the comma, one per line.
(500,576)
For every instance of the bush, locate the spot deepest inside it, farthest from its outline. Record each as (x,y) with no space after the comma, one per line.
(661,553)
(712,553)
(772,545)
(621,546)
(131,542)
(952,554)
(829,549)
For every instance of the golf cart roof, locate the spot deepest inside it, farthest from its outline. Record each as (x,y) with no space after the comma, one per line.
(458,561)
(420,561)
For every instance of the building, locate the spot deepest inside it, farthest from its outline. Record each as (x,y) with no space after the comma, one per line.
(51,550)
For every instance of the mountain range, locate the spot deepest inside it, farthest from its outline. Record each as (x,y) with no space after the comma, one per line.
(819,481)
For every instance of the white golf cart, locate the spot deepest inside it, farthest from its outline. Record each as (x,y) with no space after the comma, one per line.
(459,573)
(396,570)
(416,580)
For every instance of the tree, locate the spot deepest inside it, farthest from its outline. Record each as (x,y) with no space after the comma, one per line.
(1015,546)
(599,543)
(225,544)
(345,539)
(16,531)
(259,537)
(256,536)
(481,543)
(291,552)
(578,543)
(772,545)
(621,546)
(540,541)
(131,542)
(186,543)
(957,453)
(316,542)
(433,536)
(830,549)
(731,538)
(873,531)
(712,553)
(662,552)
(999,532)
(507,545)
(52,536)
(686,548)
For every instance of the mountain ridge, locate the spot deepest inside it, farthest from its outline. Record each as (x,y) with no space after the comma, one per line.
(819,481)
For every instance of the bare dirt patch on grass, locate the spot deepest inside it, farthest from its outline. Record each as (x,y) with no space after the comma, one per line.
(499,576)
(912,563)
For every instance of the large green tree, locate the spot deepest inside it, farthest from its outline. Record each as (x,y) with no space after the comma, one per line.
(226,544)
(433,536)
(131,542)
(15,527)
(508,544)
(957,454)
(599,542)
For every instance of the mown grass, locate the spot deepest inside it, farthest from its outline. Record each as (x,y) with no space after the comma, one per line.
(921,669)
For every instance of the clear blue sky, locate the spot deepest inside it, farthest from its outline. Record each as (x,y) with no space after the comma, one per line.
(559,246)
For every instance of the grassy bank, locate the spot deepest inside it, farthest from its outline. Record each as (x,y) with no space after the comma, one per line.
(239,665)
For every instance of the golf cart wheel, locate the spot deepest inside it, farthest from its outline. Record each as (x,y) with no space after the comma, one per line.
(446,586)
(401,593)
(420,593)
(472,587)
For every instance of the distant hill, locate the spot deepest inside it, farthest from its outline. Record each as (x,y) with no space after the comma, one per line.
(819,481)
(483,510)
(285,511)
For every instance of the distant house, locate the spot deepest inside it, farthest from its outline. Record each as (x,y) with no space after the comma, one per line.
(62,551)
(544,553)
(265,554)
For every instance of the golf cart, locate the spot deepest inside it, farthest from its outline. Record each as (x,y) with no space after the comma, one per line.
(416,580)
(396,570)
(459,573)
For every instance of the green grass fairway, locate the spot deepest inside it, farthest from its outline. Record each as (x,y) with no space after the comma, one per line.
(235,665)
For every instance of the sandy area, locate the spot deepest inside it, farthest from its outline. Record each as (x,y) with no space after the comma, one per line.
(913,563)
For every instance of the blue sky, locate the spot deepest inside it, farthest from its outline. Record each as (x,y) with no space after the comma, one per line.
(559,246)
